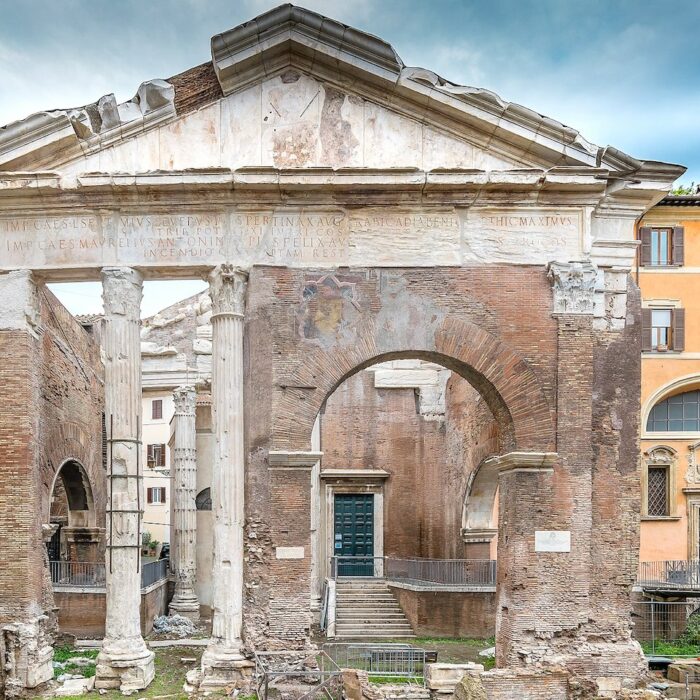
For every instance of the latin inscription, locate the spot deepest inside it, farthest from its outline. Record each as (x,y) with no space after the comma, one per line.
(504,236)
(297,237)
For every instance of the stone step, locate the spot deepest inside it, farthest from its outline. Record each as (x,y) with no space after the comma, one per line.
(364,624)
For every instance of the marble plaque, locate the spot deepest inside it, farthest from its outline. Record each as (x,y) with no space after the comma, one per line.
(552,541)
(289,552)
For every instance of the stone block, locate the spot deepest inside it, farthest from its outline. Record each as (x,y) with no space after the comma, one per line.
(678,672)
(443,678)
(76,686)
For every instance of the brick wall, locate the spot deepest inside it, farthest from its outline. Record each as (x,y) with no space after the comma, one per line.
(492,326)
(447,614)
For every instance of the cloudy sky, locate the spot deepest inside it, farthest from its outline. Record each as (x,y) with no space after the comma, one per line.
(623,72)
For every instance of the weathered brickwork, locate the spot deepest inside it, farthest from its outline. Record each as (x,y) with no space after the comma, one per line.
(443,614)
(50,412)
(498,332)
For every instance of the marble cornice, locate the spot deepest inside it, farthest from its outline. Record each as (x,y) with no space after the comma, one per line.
(556,187)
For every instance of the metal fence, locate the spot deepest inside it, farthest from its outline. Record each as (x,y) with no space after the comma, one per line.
(77,573)
(365,566)
(446,572)
(382,660)
(667,628)
(92,574)
(670,575)
(298,674)
(154,571)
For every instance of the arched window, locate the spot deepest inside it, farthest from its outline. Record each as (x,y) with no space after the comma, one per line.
(679,413)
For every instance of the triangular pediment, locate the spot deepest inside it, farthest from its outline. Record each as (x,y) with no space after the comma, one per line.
(294,89)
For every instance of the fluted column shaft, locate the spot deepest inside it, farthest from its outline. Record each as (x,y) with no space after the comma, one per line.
(184,461)
(124,660)
(222,659)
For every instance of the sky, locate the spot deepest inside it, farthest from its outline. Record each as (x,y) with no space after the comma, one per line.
(622,72)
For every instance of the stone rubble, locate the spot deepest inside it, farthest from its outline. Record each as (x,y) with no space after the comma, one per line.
(176,625)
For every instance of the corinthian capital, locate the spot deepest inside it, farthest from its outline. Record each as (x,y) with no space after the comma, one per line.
(227,285)
(184,398)
(122,289)
(573,284)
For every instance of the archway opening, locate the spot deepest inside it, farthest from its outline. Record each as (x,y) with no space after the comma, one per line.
(402,440)
(75,536)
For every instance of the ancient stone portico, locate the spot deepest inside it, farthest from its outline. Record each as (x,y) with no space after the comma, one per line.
(350,210)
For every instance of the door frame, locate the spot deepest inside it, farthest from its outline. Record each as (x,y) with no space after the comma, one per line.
(361,483)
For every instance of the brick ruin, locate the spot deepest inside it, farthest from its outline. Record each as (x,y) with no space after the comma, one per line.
(347,210)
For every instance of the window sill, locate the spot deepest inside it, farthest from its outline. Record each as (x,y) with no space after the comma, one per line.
(660,517)
(672,266)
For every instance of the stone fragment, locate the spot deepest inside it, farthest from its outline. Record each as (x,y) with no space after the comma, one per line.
(177,625)
(109,113)
(470,688)
(76,686)
(154,94)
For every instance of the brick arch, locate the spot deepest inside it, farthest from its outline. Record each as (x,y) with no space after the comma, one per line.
(507,383)
(69,443)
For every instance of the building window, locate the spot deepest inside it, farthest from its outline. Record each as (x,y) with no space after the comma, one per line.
(157,409)
(657,492)
(155,494)
(662,246)
(658,482)
(156,456)
(677,414)
(663,330)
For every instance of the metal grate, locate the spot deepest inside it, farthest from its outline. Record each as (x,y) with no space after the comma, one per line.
(657,491)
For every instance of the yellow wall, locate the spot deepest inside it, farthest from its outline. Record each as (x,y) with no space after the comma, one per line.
(668,539)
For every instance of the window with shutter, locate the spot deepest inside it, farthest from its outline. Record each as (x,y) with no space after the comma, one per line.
(157,409)
(661,246)
(149,495)
(646,330)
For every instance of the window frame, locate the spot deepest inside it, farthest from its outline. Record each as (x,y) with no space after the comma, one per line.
(650,247)
(159,404)
(155,455)
(660,457)
(150,493)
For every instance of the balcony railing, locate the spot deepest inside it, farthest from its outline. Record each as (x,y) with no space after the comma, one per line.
(92,574)
(679,575)
(77,573)
(443,572)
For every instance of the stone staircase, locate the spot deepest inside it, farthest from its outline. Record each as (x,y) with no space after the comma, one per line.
(365,608)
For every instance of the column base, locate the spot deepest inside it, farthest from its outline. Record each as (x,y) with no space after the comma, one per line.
(29,655)
(188,608)
(124,664)
(222,667)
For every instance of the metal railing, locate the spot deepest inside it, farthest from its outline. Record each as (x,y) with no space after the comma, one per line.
(670,575)
(357,566)
(154,571)
(92,574)
(444,572)
(382,660)
(77,573)
(299,674)
(667,628)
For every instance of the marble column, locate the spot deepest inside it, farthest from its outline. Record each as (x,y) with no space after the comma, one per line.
(223,662)
(124,661)
(184,461)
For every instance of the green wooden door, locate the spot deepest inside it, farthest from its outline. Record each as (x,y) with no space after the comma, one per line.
(354,533)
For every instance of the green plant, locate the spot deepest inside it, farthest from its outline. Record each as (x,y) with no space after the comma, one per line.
(692,188)
(678,648)
(145,538)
